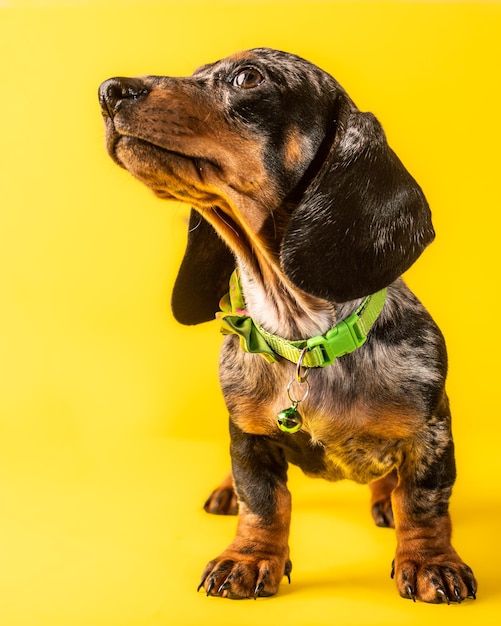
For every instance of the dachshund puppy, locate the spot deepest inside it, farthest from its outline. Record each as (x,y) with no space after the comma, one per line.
(329,361)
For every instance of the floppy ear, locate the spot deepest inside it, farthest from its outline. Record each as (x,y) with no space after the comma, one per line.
(362,221)
(204,274)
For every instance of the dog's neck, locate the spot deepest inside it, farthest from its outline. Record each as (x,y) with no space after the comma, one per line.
(271,299)
(280,308)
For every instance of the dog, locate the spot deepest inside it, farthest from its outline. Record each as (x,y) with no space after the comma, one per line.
(303,221)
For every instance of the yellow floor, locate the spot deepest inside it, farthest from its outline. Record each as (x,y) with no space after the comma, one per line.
(114,535)
(112,429)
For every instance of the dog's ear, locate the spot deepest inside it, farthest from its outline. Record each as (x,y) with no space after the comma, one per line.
(362,221)
(204,274)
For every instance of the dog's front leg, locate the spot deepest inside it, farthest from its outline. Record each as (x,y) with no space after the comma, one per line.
(426,566)
(258,558)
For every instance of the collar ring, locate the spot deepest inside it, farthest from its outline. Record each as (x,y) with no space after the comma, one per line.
(302,373)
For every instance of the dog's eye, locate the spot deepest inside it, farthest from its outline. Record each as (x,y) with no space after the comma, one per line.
(248,78)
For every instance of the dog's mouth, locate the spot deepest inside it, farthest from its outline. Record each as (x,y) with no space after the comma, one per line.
(168,172)
(175,175)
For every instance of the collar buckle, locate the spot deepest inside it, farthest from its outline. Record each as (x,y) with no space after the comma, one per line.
(345,337)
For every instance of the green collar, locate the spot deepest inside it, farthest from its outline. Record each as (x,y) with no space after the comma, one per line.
(322,350)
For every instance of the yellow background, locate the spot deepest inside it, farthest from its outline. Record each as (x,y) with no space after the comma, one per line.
(112,429)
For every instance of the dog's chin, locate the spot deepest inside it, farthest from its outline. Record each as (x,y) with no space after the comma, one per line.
(112,140)
(170,175)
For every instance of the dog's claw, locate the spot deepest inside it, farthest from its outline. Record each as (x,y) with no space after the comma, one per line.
(443,595)
(410,593)
(457,593)
(288,570)
(226,585)
(210,587)
(392,573)
(258,589)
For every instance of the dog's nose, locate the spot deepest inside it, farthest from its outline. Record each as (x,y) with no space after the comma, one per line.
(115,90)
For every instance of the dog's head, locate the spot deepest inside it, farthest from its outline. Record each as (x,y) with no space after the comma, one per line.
(279,162)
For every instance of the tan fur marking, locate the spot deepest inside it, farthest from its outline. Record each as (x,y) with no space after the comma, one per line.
(293,149)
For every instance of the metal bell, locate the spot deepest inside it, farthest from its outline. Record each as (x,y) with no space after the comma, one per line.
(290,420)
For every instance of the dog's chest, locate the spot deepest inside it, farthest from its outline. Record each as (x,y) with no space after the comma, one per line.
(362,458)
(338,439)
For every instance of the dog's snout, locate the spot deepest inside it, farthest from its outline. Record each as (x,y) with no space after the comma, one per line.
(115,90)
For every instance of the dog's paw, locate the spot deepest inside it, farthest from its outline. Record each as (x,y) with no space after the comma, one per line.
(382,514)
(244,576)
(222,501)
(381,507)
(443,579)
